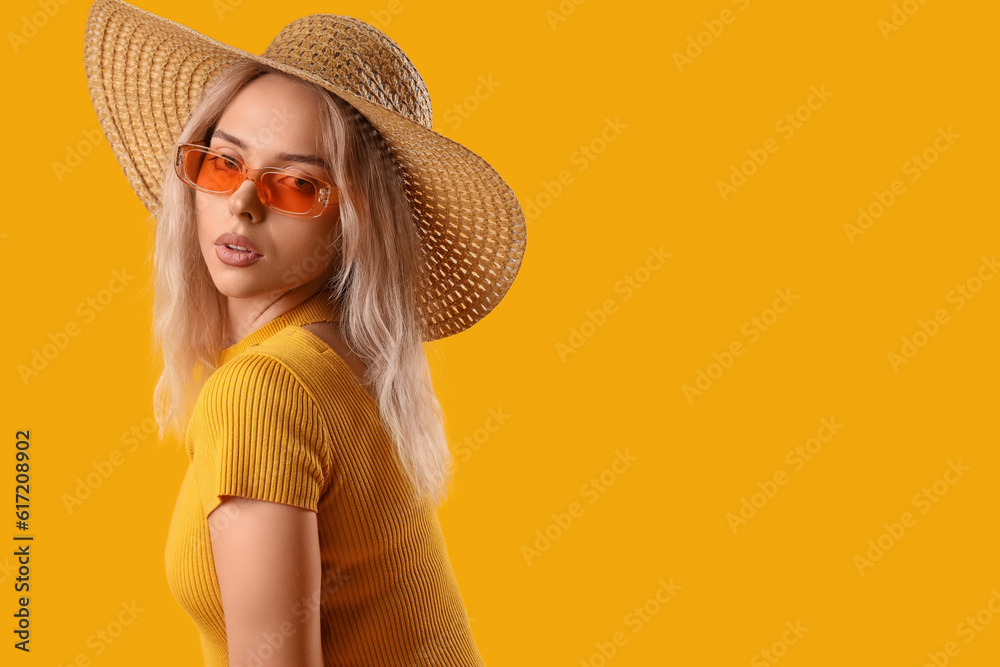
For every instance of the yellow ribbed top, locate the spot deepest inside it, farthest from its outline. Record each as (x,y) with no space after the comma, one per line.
(284,419)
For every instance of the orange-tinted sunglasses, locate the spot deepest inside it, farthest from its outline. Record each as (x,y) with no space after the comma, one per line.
(282,190)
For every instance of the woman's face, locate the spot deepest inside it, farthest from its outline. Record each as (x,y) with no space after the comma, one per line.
(272,122)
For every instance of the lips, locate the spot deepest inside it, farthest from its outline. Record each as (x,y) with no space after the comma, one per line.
(238,243)
(236,250)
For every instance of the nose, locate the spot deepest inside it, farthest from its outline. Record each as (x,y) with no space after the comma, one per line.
(245,202)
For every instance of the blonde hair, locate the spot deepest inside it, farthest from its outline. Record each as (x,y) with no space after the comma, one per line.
(375,286)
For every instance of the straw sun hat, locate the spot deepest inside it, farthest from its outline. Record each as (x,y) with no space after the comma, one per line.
(146,73)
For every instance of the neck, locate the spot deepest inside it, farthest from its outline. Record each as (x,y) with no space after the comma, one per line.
(246,315)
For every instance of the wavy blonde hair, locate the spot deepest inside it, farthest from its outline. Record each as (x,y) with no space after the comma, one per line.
(375,286)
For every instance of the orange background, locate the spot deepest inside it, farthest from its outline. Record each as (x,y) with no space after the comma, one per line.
(596,511)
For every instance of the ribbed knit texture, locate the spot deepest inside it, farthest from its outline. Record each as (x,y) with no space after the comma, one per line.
(284,419)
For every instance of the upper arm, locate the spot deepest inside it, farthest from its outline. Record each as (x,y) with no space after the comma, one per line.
(262,461)
(267,561)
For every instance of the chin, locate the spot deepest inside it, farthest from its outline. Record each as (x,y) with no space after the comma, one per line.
(238,291)
(232,287)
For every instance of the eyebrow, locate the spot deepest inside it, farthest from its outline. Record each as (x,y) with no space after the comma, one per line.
(290,157)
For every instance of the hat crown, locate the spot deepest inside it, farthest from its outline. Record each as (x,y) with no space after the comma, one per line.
(357,57)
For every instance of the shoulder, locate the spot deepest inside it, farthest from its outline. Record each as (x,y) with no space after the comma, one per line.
(256,369)
(288,346)
(285,357)
(294,365)
(265,378)
(256,407)
(317,354)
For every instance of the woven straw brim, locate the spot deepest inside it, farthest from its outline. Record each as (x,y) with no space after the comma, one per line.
(146,73)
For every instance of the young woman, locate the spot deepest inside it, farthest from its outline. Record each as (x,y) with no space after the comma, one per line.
(311,232)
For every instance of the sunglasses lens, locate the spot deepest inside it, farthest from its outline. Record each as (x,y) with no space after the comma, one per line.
(283,191)
(211,172)
(288,192)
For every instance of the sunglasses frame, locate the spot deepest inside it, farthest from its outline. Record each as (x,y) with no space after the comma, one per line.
(323,188)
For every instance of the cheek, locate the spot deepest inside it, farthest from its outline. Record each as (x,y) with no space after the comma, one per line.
(311,248)
(206,213)
(302,245)
(203,231)
(209,204)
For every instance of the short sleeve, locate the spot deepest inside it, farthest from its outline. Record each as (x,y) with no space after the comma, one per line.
(260,435)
